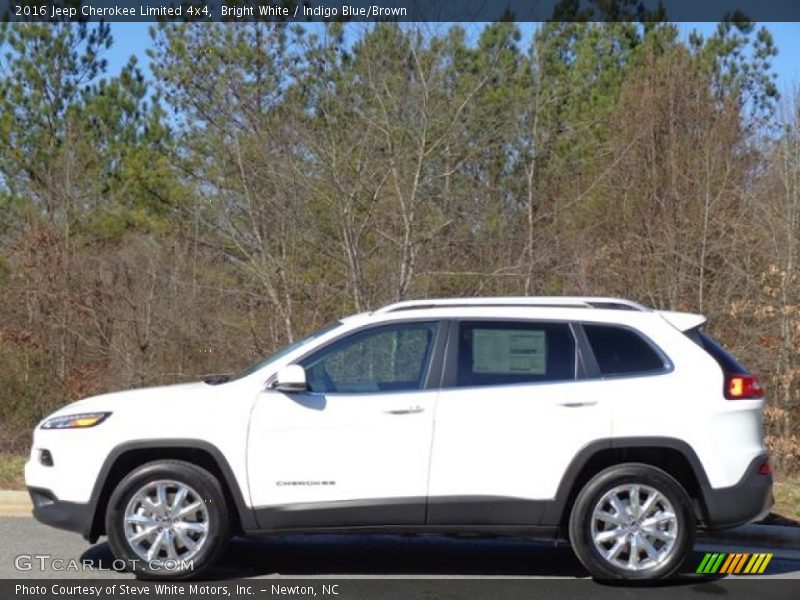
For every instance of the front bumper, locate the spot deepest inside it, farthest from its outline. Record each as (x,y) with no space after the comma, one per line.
(72,516)
(748,500)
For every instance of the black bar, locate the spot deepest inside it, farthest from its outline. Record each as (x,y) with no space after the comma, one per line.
(397,589)
(295,11)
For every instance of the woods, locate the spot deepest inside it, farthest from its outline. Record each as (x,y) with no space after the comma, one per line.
(268,179)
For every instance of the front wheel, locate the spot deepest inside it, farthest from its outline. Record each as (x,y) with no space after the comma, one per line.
(632,521)
(168,520)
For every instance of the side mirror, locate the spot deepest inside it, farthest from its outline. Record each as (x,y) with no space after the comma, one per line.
(291,378)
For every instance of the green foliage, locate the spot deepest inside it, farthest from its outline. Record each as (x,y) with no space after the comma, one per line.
(74,144)
(737,58)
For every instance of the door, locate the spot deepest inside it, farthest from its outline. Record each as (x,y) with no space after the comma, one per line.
(355,449)
(511,417)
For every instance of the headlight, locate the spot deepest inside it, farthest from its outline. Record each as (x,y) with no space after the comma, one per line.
(81,421)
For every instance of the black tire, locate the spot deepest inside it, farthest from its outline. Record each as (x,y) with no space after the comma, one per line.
(208,491)
(669,558)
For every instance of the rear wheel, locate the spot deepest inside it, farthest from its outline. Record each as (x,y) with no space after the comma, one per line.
(168,520)
(632,521)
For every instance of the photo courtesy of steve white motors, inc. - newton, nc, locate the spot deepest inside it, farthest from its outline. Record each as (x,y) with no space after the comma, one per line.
(151,590)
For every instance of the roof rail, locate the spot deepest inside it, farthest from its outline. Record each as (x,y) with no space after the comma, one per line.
(520,301)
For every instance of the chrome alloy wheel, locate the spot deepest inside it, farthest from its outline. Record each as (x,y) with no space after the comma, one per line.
(166,520)
(634,527)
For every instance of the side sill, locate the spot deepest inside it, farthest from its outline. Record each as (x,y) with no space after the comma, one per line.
(535,532)
(444,511)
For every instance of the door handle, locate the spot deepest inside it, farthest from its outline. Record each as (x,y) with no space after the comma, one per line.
(578,404)
(411,410)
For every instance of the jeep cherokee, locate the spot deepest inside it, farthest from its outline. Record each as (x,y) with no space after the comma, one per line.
(616,426)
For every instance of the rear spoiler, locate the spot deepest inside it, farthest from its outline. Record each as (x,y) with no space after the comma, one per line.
(682,321)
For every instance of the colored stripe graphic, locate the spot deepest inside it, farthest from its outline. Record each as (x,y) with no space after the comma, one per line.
(710,563)
(758,563)
(765,563)
(729,562)
(702,567)
(732,564)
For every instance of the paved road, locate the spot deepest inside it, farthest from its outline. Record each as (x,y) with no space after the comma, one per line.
(338,556)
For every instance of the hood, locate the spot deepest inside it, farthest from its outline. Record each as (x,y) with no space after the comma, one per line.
(121,400)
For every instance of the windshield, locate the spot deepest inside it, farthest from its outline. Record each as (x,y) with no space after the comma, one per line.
(284,351)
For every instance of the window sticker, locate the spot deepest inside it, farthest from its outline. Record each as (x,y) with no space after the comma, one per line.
(509,351)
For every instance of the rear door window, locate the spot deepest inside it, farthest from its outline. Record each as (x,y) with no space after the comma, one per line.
(622,351)
(508,352)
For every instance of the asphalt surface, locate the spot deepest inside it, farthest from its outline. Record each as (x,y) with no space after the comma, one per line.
(350,556)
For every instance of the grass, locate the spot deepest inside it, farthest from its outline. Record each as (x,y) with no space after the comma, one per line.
(11,471)
(787,497)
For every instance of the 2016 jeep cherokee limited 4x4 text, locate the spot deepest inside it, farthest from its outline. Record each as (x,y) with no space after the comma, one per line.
(619,427)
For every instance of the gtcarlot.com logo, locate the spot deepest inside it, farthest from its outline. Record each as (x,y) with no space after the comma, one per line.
(46,562)
(724,563)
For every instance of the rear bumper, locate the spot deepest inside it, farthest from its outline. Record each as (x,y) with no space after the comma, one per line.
(72,516)
(747,500)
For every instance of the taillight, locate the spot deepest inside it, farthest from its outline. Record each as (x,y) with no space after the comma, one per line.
(742,387)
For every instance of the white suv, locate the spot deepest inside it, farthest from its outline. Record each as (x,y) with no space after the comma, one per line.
(597,419)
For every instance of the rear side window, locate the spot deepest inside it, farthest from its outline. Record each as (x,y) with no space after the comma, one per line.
(621,351)
(724,358)
(507,352)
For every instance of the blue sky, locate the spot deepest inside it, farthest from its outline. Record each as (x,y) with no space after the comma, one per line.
(133,38)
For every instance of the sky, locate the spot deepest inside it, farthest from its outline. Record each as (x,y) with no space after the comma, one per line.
(133,38)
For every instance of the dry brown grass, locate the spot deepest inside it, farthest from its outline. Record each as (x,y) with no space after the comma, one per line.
(11,477)
(787,497)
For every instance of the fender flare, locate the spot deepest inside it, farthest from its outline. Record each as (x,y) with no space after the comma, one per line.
(555,511)
(99,491)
